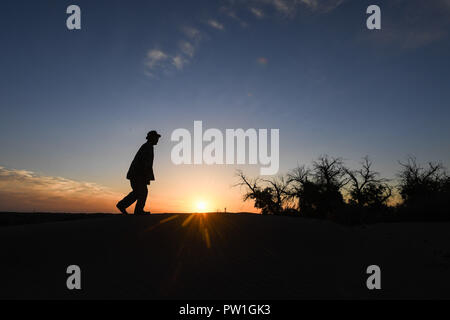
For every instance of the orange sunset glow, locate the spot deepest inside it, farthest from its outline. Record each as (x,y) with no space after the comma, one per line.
(195,192)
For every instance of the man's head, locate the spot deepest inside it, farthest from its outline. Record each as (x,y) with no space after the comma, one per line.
(153,137)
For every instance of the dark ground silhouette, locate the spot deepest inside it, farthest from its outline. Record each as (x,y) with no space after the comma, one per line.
(22,218)
(223,256)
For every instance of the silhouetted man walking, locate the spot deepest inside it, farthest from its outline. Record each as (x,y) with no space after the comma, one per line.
(140,174)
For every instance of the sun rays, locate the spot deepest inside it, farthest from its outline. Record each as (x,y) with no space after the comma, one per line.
(191,223)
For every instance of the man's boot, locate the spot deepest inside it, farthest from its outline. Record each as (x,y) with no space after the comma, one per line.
(121,208)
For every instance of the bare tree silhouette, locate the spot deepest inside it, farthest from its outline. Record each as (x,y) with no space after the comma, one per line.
(330,178)
(279,189)
(329,172)
(424,190)
(299,182)
(270,195)
(319,191)
(367,189)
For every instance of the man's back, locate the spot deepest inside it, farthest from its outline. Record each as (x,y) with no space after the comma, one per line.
(142,164)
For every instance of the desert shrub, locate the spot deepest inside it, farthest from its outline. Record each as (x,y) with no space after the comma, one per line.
(269,195)
(424,190)
(366,188)
(317,191)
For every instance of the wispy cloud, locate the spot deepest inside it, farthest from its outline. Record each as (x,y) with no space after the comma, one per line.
(315,5)
(192,33)
(158,61)
(187,48)
(228,11)
(257,12)
(288,8)
(179,62)
(23,190)
(283,6)
(155,57)
(215,24)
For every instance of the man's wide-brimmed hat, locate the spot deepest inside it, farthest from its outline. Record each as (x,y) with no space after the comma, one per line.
(153,134)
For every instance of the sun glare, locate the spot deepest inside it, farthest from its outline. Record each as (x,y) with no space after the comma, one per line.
(201,206)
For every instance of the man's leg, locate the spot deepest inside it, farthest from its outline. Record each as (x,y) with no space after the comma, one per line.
(127,201)
(140,190)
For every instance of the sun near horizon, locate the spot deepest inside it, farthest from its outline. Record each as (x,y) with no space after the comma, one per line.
(201,205)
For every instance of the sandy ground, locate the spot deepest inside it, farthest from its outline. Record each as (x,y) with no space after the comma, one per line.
(223,256)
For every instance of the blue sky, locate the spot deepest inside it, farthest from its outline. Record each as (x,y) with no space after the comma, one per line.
(78,104)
